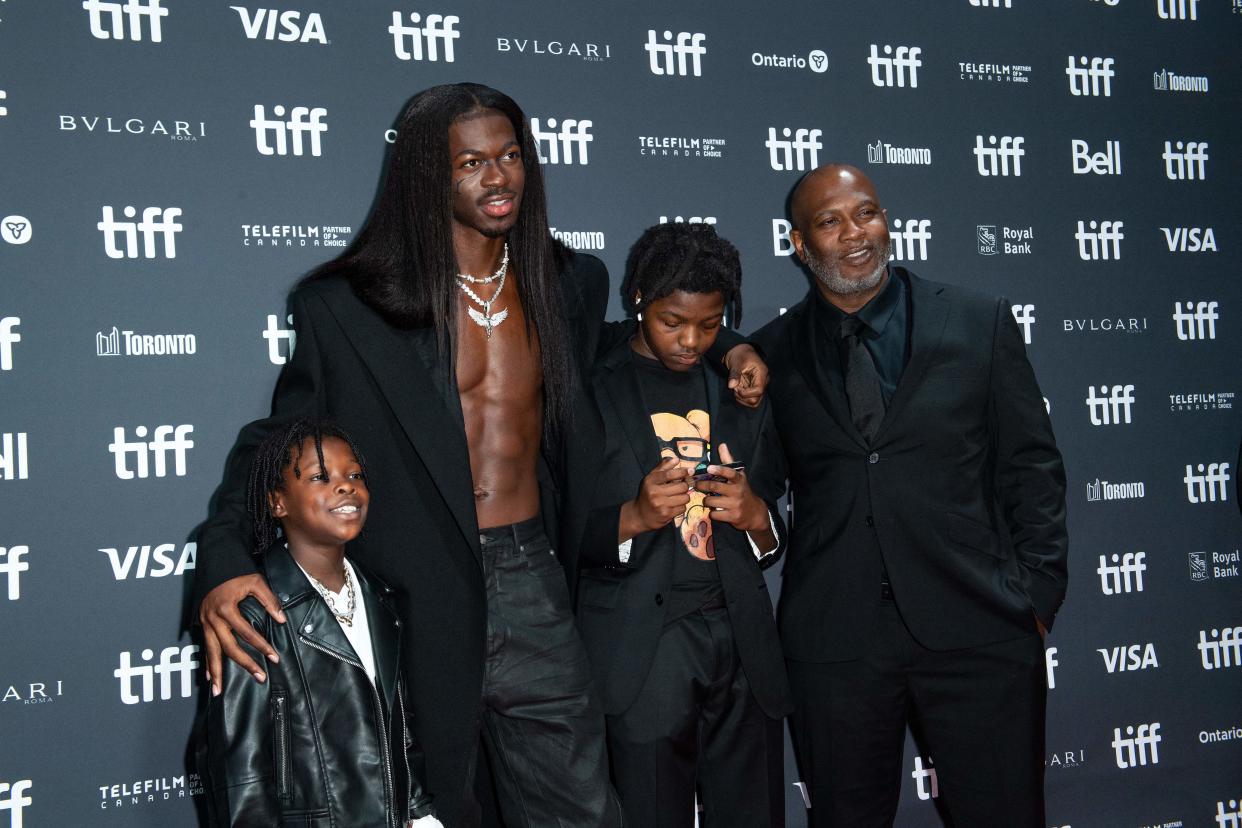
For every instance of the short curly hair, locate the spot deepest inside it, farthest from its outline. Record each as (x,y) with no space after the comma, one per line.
(682,256)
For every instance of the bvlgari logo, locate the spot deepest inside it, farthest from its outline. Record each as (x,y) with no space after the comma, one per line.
(169,129)
(587,50)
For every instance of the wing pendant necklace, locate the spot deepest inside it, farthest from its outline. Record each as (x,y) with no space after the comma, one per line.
(486,319)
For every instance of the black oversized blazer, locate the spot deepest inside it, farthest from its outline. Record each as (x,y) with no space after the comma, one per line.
(962,491)
(620,606)
(392,392)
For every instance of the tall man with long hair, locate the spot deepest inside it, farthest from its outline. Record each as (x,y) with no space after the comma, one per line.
(451,339)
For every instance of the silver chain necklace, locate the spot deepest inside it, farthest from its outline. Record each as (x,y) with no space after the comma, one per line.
(345,616)
(486,320)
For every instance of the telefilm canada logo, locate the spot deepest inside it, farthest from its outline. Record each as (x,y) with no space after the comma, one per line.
(987,72)
(149,791)
(681,146)
(170,129)
(1202,401)
(292,236)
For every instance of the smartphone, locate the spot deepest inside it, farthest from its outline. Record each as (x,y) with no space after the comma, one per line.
(700,471)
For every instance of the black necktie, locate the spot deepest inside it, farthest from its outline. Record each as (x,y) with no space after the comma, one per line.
(862,381)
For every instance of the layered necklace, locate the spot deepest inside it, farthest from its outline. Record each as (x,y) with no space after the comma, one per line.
(346,615)
(486,319)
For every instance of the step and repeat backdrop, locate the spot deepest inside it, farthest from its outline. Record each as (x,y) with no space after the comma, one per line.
(171,167)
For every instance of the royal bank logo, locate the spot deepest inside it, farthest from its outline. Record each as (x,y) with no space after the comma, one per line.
(151,561)
(1202,401)
(1105,162)
(12,566)
(1198,565)
(999,156)
(119,21)
(14,459)
(580,50)
(166,128)
(1185,160)
(1065,759)
(795,149)
(680,146)
(151,455)
(1106,324)
(680,54)
(1189,239)
(910,238)
(1221,649)
(1139,746)
(15,229)
(8,338)
(1122,574)
(287,26)
(1207,482)
(174,672)
(129,343)
(1111,406)
(429,41)
(301,133)
(1099,240)
(896,67)
(563,144)
(280,340)
(1169,81)
(994,72)
(1128,658)
(149,791)
(291,236)
(882,152)
(1099,490)
(816,60)
(925,783)
(33,693)
(1024,315)
(1090,76)
(15,797)
(158,224)
(579,239)
(994,240)
(1177,9)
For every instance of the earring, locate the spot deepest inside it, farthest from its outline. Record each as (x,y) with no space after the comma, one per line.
(640,316)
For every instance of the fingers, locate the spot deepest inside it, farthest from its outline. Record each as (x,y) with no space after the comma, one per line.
(211,646)
(222,629)
(726,456)
(264,595)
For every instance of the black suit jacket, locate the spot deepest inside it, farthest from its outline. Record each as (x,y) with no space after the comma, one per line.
(392,392)
(962,492)
(620,609)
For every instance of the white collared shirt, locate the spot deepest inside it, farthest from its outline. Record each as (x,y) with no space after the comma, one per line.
(358,633)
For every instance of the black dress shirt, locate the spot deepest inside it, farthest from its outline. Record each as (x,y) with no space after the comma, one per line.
(885,334)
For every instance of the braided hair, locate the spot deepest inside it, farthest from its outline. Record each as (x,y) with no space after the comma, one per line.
(682,256)
(281,448)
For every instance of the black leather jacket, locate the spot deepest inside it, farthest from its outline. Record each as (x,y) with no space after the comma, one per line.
(317,744)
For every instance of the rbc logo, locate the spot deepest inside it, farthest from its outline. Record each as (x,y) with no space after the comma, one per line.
(13,799)
(1185,160)
(1112,409)
(8,338)
(159,446)
(1101,241)
(688,45)
(407,41)
(1024,315)
(994,159)
(13,456)
(552,145)
(174,661)
(800,153)
(12,566)
(302,119)
(274,334)
(292,30)
(891,69)
(117,13)
(910,244)
(1208,485)
(1199,323)
(1140,746)
(1090,76)
(161,221)
(1123,575)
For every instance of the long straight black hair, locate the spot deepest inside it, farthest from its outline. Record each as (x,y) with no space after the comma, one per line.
(402,262)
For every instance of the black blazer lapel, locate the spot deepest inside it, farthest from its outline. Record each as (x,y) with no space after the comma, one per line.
(385,634)
(930,313)
(803,345)
(619,381)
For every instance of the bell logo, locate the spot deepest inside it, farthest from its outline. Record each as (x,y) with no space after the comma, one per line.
(994,159)
(1185,160)
(12,566)
(157,222)
(275,335)
(174,662)
(910,244)
(1140,746)
(799,150)
(8,338)
(263,23)
(436,32)
(1208,485)
(782,245)
(688,45)
(1090,76)
(1101,241)
(159,447)
(1177,9)
(1024,315)
(13,456)
(1107,162)
(1198,321)
(558,147)
(13,799)
(1222,650)
(117,14)
(302,120)
(925,782)
(1113,408)
(893,69)
(1123,575)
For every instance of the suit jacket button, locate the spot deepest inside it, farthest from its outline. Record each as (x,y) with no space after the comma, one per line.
(874,457)
(659,600)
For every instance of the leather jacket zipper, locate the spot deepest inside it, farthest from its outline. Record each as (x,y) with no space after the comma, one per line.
(280,727)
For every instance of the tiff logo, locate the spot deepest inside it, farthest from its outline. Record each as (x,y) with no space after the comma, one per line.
(292,29)
(1208,486)
(13,456)
(118,13)
(1102,241)
(925,782)
(688,45)
(994,159)
(1231,818)
(552,146)
(1090,76)
(1050,665)
(156,221)
(800,153)
(1124,575)
(302,120)
(407,41)
(8,338)
(1024,315)
(1111,409)
(1199,323)
(174,661)
(1224,650)
(275,335)
(1178,9)
(1137,748)
(13,799)
(159,446)
(891,69)
(1107,162)
(1185,160)
(911,243)
(12,565)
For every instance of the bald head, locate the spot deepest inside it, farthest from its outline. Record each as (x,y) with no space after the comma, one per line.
(824,184)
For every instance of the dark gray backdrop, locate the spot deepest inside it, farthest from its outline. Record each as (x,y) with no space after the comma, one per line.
(95,557)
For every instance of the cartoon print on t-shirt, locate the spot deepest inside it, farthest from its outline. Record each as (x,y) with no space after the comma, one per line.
(688,440)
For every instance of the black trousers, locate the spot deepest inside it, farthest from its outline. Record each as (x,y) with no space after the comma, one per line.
(978,712)
(694,724)
(542,724)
